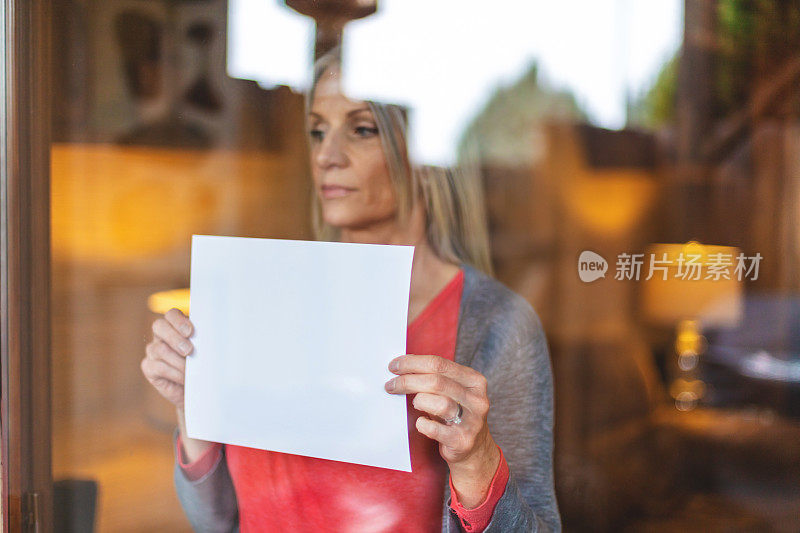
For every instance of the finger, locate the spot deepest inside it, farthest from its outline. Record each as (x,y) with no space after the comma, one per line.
(436,405)
(431,383)
(447,435)
(179,321)
(435,364)
(160,350)
(156,369)
(166,332)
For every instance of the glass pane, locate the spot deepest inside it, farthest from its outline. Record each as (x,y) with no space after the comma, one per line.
(639,168)
(153,142)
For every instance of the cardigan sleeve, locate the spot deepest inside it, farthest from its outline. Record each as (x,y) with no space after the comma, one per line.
(516,363)
(209,501)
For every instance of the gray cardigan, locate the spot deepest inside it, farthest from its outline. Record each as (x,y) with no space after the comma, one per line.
(500,335)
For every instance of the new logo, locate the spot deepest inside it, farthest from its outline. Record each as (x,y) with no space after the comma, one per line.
(591,266)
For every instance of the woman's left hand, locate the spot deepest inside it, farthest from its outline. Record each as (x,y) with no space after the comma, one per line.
(440,386)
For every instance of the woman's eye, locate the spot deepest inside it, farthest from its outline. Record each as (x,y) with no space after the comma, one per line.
(316,134)
(366,131)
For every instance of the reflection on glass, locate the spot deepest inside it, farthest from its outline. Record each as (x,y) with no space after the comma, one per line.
(672,413)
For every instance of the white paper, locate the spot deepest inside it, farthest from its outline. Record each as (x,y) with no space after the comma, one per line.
(291,346)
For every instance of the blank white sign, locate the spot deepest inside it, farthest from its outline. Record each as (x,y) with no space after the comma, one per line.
(292,341)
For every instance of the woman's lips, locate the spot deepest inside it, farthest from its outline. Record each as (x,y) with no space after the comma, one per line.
(335,191)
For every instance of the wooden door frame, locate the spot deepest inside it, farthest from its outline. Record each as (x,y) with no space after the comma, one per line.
(25,265)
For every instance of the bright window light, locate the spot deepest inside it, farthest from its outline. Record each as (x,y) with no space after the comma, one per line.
(444,58)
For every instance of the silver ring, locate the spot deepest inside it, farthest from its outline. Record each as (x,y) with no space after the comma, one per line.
(456,419)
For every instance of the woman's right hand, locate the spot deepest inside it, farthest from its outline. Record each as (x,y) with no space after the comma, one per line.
(164,364)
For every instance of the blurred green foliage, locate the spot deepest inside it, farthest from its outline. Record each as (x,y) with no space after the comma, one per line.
(656,107)
(506,130)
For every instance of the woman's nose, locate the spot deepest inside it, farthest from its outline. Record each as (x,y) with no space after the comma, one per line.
(331,151)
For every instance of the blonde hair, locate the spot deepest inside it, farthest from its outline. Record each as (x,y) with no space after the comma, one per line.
(455,213)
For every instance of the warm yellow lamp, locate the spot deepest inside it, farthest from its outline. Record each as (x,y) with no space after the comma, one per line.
(161,302)
(691,286)
(669,298)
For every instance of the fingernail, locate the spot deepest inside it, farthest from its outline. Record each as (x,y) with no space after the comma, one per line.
(185,329)
(394,365)
(186,348)
(390,385)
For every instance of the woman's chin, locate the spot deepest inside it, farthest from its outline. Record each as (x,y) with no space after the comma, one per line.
(346,221)
(340,220)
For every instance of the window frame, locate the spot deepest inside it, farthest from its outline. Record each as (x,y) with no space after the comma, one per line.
(25,426)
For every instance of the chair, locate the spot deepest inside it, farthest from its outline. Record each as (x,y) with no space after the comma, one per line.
(74,505)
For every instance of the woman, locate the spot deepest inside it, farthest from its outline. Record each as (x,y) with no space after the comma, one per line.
(479,399)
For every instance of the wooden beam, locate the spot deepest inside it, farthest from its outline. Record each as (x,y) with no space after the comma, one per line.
(766,97)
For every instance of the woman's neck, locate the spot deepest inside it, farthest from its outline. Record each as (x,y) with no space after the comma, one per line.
(390,231)
(429,273)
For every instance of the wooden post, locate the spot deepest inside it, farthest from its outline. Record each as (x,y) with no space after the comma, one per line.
(330,17)
(689,204)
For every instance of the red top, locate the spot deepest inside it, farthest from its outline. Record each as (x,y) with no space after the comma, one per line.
(285,492)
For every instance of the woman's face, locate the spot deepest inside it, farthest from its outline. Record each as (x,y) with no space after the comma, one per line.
(348,165)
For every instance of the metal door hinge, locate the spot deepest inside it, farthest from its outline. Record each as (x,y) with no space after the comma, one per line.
(30,512)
